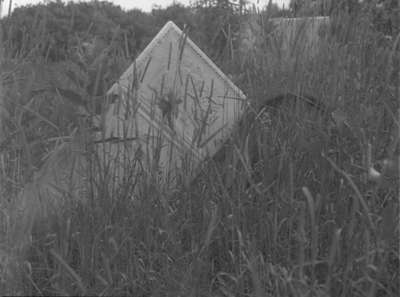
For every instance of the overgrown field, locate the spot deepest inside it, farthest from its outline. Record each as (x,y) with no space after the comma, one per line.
(300,202)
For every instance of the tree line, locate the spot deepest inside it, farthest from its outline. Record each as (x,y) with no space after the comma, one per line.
(56,29)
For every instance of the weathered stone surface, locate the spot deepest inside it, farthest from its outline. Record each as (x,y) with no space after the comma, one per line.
(173,97)
(286,36)
(303,33)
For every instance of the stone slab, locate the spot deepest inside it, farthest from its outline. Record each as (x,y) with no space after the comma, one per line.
(173,96)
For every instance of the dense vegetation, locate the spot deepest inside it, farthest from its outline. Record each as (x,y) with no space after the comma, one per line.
(301,204)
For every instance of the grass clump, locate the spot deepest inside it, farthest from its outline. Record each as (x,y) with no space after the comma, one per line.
(288,207)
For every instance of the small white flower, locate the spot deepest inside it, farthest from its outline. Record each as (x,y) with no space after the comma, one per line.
(373,174)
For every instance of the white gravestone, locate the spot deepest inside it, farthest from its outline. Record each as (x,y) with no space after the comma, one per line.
(173,103)
(285,36)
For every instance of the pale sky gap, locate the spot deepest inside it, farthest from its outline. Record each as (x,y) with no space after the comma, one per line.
(145,5)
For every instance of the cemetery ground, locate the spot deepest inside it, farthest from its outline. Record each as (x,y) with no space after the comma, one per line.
(297,203)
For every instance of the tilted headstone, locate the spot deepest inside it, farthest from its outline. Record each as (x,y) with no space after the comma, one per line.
(173,104)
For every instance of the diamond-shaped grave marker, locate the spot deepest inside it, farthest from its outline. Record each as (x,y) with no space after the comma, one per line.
(173,102)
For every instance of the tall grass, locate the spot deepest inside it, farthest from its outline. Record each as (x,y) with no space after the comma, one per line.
(285,209)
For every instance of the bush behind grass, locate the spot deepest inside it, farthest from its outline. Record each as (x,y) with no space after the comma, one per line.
(286,209)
